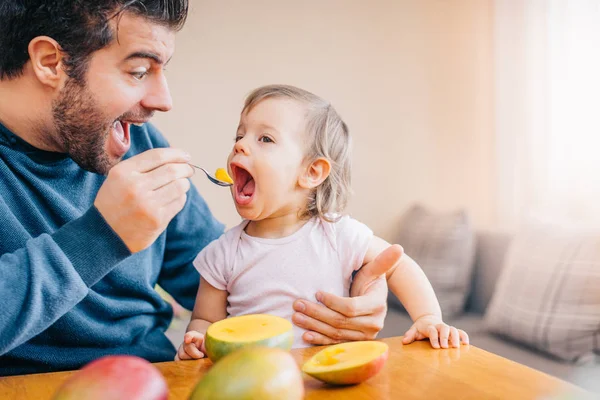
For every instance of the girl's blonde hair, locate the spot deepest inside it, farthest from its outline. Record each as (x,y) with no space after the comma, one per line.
(328,138)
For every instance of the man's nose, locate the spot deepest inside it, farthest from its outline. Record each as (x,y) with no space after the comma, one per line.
(158,96)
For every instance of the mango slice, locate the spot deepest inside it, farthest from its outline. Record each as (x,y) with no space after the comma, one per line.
(222,175)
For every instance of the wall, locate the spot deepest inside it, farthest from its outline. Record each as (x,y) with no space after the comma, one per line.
(413,80)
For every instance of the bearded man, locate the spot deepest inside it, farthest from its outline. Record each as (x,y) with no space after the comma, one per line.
(95,207)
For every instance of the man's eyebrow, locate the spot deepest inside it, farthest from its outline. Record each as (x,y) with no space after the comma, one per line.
(149,55)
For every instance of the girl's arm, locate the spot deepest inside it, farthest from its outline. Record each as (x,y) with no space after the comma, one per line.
(210,306)
(408,282)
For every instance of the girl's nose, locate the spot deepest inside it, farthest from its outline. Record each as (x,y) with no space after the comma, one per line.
(241,147)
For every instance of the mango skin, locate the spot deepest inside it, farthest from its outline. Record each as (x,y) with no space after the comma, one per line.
(351,376)
(252,373)
(115,378)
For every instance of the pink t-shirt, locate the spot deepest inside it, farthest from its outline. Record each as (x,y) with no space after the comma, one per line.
(266,276)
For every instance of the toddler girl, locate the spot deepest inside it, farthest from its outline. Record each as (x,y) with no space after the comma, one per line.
(291,168)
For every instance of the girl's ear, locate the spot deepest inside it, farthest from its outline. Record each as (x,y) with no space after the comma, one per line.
(315,174)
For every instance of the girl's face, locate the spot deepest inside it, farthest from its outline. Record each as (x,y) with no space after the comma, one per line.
(267,160)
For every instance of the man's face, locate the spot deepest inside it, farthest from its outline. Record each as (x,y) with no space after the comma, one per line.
(124,84)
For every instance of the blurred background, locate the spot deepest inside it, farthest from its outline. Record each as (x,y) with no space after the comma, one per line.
(412,79)
(485,105)
(471,119)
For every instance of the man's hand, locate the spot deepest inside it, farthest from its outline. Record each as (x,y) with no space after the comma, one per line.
(359,317)
(141,195)
(440,334)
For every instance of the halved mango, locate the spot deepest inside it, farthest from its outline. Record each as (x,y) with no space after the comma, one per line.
(228,335)
(222,175)
(347,363)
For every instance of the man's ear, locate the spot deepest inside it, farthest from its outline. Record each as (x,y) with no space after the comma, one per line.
(46,60)
(315,174)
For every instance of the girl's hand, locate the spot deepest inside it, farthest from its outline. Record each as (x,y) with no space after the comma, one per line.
(439,333)
(192,347)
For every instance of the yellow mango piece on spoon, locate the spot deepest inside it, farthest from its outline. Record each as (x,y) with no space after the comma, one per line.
(222,175)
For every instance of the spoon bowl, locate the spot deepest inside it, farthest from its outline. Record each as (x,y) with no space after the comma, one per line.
(212,178)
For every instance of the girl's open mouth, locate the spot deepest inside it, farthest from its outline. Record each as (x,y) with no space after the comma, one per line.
(244,185)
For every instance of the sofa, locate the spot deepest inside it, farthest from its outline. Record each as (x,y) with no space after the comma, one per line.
(490,251)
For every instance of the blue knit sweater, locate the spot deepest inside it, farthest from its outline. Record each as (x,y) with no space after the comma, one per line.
(70,290)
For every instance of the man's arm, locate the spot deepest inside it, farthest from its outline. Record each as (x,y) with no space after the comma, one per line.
(50,275)
(42,281)
(187,234)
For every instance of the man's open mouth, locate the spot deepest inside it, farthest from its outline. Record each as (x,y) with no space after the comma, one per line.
(119,139)
(244,186)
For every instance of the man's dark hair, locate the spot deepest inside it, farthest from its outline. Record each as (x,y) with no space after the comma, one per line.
(80,27)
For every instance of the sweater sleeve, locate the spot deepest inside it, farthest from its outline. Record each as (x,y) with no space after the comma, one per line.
(187,234)
(51,274)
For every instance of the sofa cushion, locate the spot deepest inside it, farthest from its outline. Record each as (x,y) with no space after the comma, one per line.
(443,245)
(548,294)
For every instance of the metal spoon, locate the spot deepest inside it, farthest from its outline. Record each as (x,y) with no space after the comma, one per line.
(212,178)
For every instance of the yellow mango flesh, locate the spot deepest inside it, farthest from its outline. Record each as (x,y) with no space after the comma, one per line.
(347,363)
(249,328)
(222,175)
(225,336)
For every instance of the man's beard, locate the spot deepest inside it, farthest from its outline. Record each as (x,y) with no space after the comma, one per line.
(81,128)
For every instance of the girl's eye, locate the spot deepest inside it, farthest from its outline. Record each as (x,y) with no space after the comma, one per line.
(266,139)
(238,138)
(139,75)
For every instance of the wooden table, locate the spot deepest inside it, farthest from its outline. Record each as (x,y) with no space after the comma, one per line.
(415,371)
